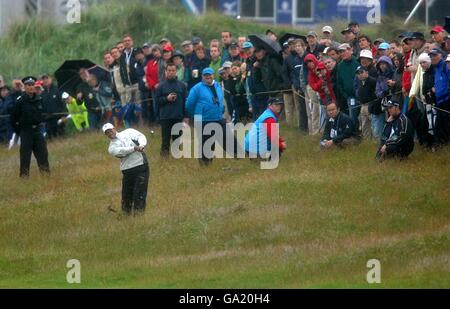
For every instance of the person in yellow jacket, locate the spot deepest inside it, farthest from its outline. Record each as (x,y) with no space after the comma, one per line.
(78,113)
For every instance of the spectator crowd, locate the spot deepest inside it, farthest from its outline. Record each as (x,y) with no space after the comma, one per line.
(344,87)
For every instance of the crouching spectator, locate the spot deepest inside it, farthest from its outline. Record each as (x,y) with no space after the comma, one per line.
(398,134)
(339,129)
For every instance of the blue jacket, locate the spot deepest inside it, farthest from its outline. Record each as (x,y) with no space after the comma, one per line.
(442,82)
(200,102)
(382,88)
(256,141)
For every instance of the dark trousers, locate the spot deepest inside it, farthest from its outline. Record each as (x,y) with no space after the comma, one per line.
(302,115)
(205,160)
(134,189)
(166,130)
(442,125)
(53,129)
(32,141)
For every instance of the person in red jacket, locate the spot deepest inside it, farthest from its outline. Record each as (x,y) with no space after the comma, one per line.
(152,73)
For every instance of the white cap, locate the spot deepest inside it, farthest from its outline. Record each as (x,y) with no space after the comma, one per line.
(325,51)
(365,53)
(107,127)
(424,57)
(448,58)
(327,29)
(65,96)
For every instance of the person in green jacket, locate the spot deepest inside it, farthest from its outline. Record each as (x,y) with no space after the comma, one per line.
(78,113)
(345,81)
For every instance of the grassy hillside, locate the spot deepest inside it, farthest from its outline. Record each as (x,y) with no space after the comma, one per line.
(313,222)
(37,46)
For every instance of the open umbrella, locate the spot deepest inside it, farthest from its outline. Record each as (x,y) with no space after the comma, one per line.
(68,74)
(264,42)
(287,36)
(447,24)
(101,73)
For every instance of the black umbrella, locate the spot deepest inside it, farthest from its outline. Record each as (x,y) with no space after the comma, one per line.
(101,73)
(447,24)
(264,42)
(287,36)
(68,74)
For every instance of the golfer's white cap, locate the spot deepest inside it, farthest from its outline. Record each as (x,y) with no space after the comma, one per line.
(107,127)
(65,96)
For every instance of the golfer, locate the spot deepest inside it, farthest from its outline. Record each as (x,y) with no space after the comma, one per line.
(129,145)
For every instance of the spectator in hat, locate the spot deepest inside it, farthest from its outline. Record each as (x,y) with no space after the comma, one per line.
(129,146)
(77,113)
(147,49)
(189,55)
(397,139)
(177,59)
(234,52)
(350,38)
(165,42)
(418,47)
(313,45)
(384,50)
(366,60)
(339,130)
(378,41)
(442,94)
(345,81)
(258,141)
(438,36)
(205,105)
(167,53)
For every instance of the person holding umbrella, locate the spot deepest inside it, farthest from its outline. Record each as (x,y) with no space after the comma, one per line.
(27,120)
(129,146)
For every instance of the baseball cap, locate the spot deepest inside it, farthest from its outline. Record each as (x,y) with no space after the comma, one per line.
(448,58)
(391,103)
(227,64)
(168,48)
(365,53)
(146,45)
(29,80)
(379,40)
(163,40)
(247,45)
(187,42)
(234,45)
(418,35)
(344,46)
(327,29)
(437,29)
(384,46)
(196,40)
(65,96)
(360,69)
(208,71)
(346,30)
(107,127)
(435,51)
(275,101)
(353,23)
(312,33)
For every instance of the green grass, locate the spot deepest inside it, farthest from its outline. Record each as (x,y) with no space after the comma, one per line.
(315,221)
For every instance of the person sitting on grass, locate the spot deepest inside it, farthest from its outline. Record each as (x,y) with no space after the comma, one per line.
(397,139)
(258,141)
(339,129)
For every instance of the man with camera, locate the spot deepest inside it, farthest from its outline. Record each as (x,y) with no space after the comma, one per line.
(170,97)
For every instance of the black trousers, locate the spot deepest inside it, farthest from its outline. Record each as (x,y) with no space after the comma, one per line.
(134,189)
(166,129)
(442,125)
(53,129)
(205,159)
(32,141)
(302,115)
